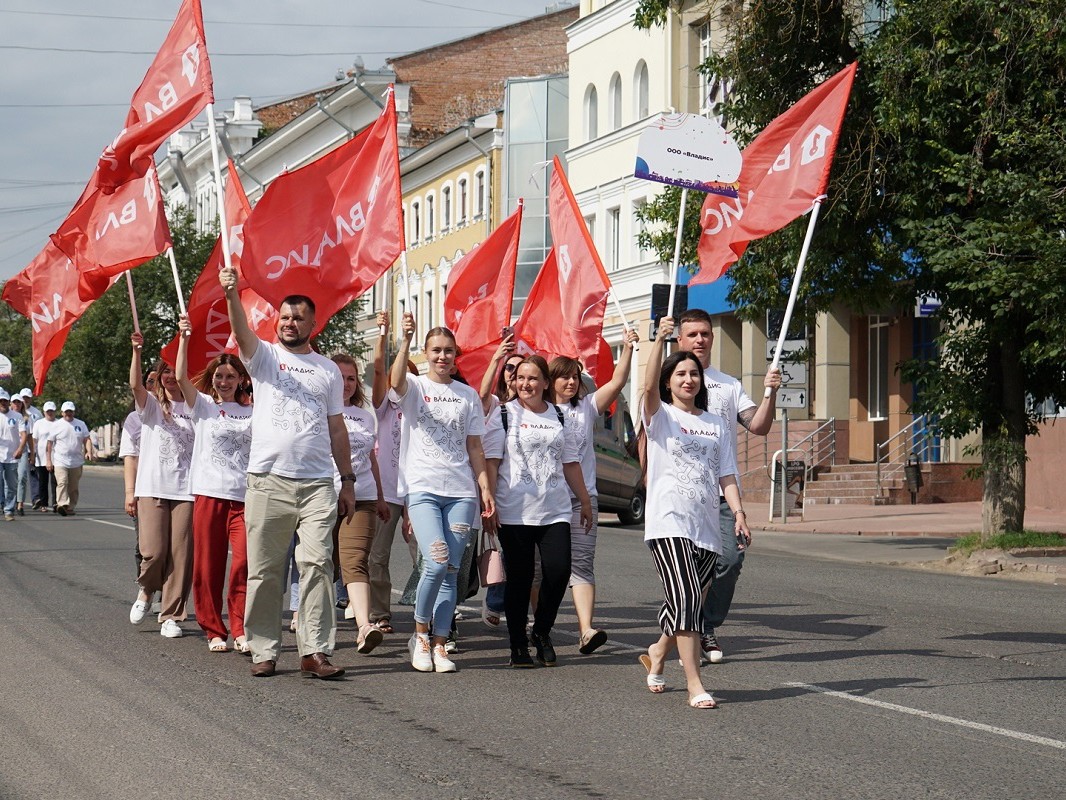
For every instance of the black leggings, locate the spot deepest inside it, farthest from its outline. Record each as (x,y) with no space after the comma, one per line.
(520,544)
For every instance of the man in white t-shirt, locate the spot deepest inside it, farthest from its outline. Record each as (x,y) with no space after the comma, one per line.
(727,398)
(10,436)
(297,426)
(45,499)
(67,451)
(34,414)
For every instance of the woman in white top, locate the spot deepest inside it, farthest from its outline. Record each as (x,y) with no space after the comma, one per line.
(581,411)
(220,406)
(534,462)
(22,454)
(442,470)
(164,496)
(353,536)
(689,461)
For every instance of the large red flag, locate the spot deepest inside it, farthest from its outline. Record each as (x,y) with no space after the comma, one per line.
(46,293)
(785,169)
(477,304)
(330,230)
(175,89)
(564,313)
(106,234)
(211,332)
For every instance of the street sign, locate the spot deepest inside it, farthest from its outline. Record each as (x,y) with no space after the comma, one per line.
(792,398)
(791,346)
(926,305)
(793,374)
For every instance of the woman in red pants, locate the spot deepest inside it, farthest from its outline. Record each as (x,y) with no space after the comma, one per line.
(221,411)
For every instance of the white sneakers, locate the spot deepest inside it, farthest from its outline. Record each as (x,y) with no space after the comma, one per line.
(421,657)
(441,662)
(171,630)
(139,611)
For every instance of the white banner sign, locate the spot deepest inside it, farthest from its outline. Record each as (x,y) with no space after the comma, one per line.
(5,368)
(690,151)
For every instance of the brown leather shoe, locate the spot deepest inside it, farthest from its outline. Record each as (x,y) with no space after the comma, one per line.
(263,669)
(317,665)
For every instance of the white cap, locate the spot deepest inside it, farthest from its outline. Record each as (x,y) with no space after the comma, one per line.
(26,393)
(4,395)
(49,406)
(67,406)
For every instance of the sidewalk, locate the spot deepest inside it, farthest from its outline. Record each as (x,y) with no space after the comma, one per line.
(916,536)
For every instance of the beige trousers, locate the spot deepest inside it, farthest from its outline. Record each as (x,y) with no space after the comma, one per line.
(67,480)
(380,578)
(274,508)
(164,536)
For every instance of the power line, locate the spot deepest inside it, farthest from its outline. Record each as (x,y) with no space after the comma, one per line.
(212,54)
(247,23)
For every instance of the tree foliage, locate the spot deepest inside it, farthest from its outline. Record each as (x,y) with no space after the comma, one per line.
(93,369)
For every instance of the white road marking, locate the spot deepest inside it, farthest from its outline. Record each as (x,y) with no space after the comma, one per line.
(964,723)
(107,522)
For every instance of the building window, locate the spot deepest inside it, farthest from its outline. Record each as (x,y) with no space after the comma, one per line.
(460,212)
(615,101)
(415,231)
(614,237)
(431,219)
(428,312)
(590,223)
(418,323)
(592,113)
(640,91)
(445,208)
(640,255)
(479,194)
(703,34)
(878,368)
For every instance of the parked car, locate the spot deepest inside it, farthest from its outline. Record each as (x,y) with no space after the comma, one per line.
(618,477)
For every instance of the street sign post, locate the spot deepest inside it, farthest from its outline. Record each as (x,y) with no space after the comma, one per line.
(789,347)
(792,398)
(793,374)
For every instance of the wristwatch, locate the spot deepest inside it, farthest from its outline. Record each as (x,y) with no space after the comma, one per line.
(349,477)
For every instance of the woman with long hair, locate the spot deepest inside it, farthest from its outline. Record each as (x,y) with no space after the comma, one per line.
(219,403)
(534,464)
(355,535)
(164,495)
(689,461)
(442,473)
(22,453)
(580,410)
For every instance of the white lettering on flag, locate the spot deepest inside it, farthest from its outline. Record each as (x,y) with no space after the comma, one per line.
(565,264)
(47,315)
(814,144)
(190,62)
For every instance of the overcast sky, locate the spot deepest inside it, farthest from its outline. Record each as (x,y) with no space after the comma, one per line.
(60,105)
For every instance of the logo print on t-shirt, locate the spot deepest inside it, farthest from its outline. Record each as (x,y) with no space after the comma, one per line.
(296,406)
(535,454)
(175,445)
(441,431)
(231,441)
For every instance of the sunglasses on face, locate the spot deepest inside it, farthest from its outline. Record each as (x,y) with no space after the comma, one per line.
(510,367)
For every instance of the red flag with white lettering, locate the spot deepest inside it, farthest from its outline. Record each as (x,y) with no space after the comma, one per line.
(46,293)
(477,304)
(566,318)
(330,229)
(785,169)
(175,89)
(211,333)
(106,234)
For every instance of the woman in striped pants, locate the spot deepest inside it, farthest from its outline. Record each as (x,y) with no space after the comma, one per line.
(689,458)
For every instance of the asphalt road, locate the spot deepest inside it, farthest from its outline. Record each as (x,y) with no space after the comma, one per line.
(841,680)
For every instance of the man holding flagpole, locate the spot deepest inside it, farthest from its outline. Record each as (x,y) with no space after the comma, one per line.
(727,398)
(296,426)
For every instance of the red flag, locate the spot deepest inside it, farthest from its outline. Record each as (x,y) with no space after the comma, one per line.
(477,304)
(785,169)
(175,89)
(46,293)
(106,234)
(330,230)
(211,332)
(571,288)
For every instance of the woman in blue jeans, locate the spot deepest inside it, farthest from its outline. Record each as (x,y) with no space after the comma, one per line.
(442,472)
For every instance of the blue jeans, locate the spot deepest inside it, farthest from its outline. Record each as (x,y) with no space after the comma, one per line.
(726,573)
(24,471)
(441,526)
(11,477)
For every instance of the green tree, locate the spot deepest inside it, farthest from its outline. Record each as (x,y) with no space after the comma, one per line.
(949,178)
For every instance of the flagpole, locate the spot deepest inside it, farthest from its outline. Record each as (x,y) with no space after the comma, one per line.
(795,286)
(177,280)
(677,251)
(625,322)
(133,303)
(406,282)
(219,192)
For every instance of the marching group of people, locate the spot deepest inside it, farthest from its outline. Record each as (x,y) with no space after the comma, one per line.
(281,456)
(41,455)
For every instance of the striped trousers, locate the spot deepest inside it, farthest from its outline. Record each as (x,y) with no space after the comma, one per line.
(686,572)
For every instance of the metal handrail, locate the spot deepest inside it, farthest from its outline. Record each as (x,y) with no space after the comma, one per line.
(913,438)
(824,451)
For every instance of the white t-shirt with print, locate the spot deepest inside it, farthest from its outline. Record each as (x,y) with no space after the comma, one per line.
(437,419)
(581,426)
(726,398)
(10,433)
(687,456)
(166,451)
(361,440)
(390,437)
(68,442)
(530,487)
(42,428)
(220,451)
(295,394)
(129,443)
